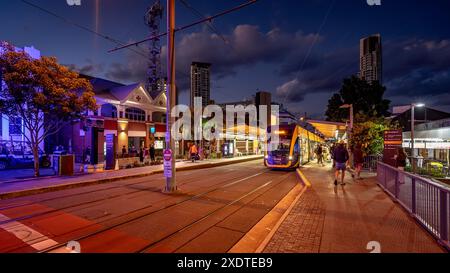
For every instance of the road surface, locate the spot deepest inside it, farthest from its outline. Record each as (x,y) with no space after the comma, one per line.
(213,211)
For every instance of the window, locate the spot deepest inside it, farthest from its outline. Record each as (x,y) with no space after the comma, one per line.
(135,114)
(15,125)
(109,111)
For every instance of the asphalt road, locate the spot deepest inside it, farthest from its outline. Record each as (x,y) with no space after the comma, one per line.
(212,212)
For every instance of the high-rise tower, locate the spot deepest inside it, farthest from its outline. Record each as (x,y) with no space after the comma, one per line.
(371,65)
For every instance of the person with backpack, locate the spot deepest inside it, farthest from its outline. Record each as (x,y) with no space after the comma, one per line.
(341,158)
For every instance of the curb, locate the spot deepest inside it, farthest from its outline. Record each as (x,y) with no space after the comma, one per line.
(266,224)
(10,195)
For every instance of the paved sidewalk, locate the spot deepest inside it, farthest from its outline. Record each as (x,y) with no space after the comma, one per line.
(344,219)
(20,187)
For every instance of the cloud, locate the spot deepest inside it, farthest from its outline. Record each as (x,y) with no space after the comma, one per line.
(411,67)
(417,66)
(246,45)
(89,68)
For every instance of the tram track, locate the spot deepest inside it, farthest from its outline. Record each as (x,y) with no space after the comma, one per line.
(49,212)
(127,221)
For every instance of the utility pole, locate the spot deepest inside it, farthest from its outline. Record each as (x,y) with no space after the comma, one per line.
(171,183)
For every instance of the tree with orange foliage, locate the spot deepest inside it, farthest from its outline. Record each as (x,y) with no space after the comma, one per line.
(45,94)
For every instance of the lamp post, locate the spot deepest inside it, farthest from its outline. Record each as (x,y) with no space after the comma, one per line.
(349,128)
(413,122)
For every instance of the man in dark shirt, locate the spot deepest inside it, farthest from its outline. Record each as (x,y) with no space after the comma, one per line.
(341,157)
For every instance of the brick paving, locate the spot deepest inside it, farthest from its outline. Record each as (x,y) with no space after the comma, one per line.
(329,219)
(302,229)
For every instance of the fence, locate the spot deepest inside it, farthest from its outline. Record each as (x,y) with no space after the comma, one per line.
(371,162)
(427,201)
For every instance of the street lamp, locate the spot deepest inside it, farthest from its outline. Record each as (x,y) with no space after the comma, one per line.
(349,128)
(413,122)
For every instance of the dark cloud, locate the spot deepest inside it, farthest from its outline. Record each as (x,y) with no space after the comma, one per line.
(89,68)
(246,45)
(411,67)
(415,67)
(324,74)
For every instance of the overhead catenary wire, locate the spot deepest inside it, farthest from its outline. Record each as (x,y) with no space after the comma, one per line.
(208,24)
(206,19)
(313,44)
(103,36)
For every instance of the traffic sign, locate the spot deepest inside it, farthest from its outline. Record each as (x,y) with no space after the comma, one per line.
(167,163)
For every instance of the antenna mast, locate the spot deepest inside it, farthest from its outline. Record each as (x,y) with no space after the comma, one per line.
(153,19)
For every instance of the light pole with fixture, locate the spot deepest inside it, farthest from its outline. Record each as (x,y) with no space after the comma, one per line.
(413,122)
(349,128)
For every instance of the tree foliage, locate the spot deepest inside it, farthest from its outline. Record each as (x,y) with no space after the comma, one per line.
(367,99)
(45,94)
(369,133)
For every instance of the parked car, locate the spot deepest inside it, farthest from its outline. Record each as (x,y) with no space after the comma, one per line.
(12,161)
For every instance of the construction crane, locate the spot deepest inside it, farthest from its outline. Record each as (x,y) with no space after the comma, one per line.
(153,18)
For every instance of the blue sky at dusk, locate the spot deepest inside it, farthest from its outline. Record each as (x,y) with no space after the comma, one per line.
(300,50)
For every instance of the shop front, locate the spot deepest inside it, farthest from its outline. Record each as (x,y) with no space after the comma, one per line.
(431,146)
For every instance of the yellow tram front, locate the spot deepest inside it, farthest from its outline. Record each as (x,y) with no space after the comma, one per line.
(293,148)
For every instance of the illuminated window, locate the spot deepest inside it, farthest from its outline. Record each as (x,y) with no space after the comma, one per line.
(135,114)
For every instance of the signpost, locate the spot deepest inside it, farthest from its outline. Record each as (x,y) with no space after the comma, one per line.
(393,139)
(168,163)
(110,140)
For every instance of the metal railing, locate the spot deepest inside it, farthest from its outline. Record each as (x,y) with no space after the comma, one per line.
(427,201)
(371,162)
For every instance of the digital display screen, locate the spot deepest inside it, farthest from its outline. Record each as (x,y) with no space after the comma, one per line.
(159,144)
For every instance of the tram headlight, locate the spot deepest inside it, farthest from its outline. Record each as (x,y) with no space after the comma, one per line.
(290,157)
(266,157)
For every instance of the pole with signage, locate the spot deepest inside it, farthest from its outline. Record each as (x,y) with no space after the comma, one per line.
(393,140)
(171,185)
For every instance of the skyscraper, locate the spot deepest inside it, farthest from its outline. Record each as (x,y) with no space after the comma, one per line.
(200,82)
(371,65)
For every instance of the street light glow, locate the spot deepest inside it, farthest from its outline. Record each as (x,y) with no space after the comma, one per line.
(419,104)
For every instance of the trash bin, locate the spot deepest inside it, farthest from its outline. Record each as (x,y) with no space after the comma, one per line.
(63,165)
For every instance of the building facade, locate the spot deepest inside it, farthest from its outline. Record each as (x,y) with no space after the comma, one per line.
(201,82)
(127,118)
(371,65)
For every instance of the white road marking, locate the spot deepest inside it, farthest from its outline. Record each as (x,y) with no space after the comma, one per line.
(28,235)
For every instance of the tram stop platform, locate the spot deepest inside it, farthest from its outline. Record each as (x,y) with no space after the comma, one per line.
(356,218)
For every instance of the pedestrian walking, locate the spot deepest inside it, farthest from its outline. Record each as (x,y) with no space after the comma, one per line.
(333,147)
(319,153)
(193,152)
(124,151)
(400,162)
(141,155)
(358,159)
(341,157)
(152,153)
(400,159)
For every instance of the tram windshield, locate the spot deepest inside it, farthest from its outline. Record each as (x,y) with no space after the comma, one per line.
(282,146)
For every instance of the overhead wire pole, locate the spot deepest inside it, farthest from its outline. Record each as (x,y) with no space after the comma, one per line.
(171,184)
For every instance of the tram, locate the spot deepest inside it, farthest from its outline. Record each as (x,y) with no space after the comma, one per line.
(295,147)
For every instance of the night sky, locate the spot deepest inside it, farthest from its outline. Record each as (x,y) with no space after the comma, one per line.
(300,50)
